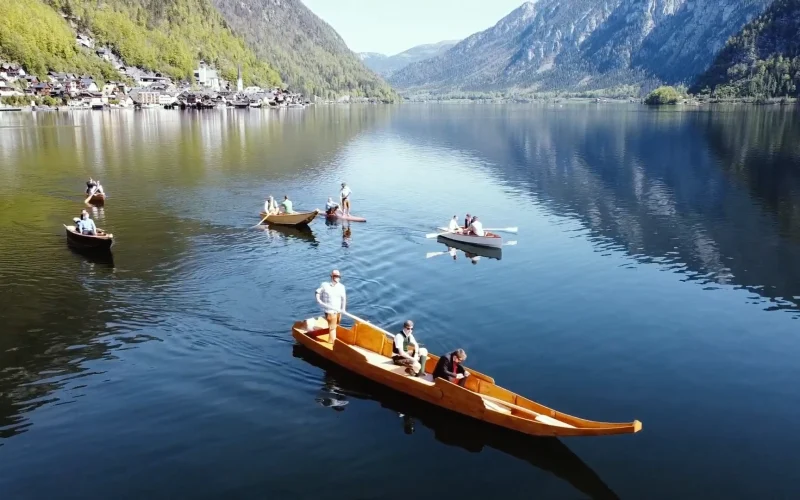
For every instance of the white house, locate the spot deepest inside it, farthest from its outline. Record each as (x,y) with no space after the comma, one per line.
(6,89)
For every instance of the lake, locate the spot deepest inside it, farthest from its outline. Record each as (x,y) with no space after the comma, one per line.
(656,276)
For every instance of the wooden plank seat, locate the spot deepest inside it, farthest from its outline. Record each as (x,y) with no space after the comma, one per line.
(387,364)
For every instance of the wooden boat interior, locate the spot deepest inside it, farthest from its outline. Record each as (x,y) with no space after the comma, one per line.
(374,346)
(101,234)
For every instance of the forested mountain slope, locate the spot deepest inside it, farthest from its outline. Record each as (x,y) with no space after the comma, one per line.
(307,52)
(169,36)
(763,60)
(586,44)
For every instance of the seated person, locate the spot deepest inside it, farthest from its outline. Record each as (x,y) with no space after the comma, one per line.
(454,227)
(331,207)
(475,227)
(90,186)
(450,367)
(286,205)
(270,207)
(414,363)
(86,225)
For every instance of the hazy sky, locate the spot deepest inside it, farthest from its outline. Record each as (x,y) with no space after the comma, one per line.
(389,26)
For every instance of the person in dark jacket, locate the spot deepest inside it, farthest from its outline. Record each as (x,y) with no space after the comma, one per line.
(451,367)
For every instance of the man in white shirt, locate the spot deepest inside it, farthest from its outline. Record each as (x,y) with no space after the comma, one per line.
(344,197)
(413,361)
(476,227)
(454,227)
(334,297)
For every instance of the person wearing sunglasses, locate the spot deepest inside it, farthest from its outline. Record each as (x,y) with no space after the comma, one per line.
(407,352)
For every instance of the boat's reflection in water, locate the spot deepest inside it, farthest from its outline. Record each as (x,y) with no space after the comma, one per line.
(101,258)
(471,252)
(288,232)
(453,429)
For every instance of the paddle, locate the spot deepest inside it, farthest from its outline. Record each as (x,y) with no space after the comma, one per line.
(514,230)
(262,221)
(434,254)
(433,235)
(86,201)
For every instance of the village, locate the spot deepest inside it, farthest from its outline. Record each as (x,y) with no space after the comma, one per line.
(137,88)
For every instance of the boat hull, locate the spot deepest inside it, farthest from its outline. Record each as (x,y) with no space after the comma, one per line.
(491,240)
(98,199)
(473,250)
(339,216)
(88,242)
(297,219)
(366,351)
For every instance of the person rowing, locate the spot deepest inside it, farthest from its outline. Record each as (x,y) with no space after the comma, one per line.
(270,207)
(453,227)
(331,207)
(450,367)
(344,198)
(407,352)
(86,225)
(476,227)
(333,294)
(467,220)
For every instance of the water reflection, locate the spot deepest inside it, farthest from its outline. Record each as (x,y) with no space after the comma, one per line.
(286,233)
(472,253)
(548,454)
(712,195)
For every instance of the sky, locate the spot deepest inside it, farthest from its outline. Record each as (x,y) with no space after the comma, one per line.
(390,27)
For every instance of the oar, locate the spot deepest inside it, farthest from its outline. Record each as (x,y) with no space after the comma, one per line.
(86,201)
(514,230)
(510,405)
(510,243)
(434,254)
(352,316)
(433,235)
(262,221)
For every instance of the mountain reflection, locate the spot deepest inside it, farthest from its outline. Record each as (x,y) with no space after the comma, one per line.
(714,195)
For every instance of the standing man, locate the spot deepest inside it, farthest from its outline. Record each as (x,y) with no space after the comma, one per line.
(415,360)
(344,197)
(334,298)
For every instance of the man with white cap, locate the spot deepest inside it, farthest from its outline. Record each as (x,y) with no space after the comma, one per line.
(332,294)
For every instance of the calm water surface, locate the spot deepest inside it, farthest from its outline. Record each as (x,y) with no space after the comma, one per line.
(656,276)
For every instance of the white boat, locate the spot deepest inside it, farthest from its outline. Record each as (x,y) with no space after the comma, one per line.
(490,240)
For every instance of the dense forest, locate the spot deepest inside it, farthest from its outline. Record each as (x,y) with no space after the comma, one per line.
(169,36)
(763,60)
(307,52)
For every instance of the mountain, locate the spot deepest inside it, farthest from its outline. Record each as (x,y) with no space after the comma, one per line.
(386,65)
(584,44)
(307,52)
(169,36)
(763,60)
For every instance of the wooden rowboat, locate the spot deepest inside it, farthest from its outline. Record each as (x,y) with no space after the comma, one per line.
(88,242)
(98,199)
(366,350)
(295,219)
(490,240)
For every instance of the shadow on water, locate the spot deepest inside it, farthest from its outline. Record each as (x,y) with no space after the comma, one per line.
(102,258)
(707,194)
(303,233)
(453,429)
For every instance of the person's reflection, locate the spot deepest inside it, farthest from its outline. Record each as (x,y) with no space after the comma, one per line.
(452,252)
(472,257)
(346,235)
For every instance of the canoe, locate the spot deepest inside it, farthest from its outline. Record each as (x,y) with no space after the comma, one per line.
(472,250)
(490,240)
(452,429)
(295,219)
(88,242)
(339,216)
(98,199)
(366,350)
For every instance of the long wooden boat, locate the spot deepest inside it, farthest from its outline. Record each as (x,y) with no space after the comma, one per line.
(490,240)
(98,199)
(88,242)
(295,219)
(366,349)
(339,216)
